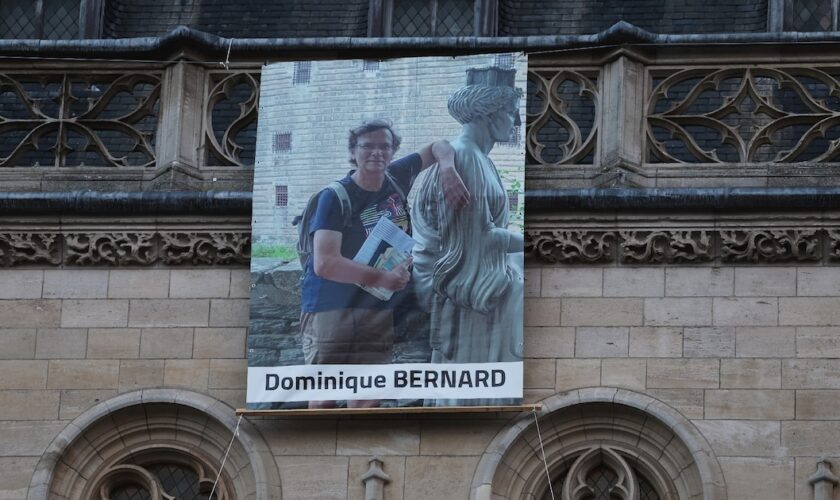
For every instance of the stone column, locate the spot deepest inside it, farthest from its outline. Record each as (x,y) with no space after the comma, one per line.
(775,15)
(486,18)
(621,130)
(179,134)
(823,481)
(375,480)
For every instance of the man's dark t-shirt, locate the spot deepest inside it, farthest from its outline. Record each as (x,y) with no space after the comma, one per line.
(320,294)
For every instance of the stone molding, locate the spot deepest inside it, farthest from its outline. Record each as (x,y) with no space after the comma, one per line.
(135,242)
(173,419)
(625,239)
(512,467)
(704,239)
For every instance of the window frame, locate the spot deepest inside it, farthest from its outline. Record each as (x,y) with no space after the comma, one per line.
(91,13)
(381,14)
(776,16)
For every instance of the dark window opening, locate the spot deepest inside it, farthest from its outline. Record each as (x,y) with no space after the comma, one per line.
(50,19)
(505,61)
(281,196)
(303,72)
(809,15)
(432,18)
(283,142)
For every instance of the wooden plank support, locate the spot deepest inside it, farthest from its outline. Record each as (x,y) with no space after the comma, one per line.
(340,412)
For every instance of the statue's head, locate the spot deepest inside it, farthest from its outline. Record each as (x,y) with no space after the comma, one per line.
(489,98)
(380,131)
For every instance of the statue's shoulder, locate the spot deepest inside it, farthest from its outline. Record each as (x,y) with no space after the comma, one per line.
(466,152)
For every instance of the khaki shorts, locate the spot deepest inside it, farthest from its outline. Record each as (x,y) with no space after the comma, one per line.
(348,336)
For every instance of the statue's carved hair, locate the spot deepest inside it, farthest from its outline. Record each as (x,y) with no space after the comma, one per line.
(472,101)
(368,127)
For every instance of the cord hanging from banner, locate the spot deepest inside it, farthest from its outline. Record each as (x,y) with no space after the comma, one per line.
(226,64)
(542,449)
(224,459)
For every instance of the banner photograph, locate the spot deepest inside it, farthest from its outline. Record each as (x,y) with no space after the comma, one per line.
(388,213)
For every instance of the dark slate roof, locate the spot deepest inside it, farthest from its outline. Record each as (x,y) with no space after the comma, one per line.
(574,17)
(238,19)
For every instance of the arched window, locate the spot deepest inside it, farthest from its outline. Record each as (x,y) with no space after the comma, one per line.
(158,474)
(157,444)
(152,452)
(601,473)
(590,445)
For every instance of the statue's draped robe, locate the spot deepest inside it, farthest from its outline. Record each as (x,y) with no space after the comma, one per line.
(463,273)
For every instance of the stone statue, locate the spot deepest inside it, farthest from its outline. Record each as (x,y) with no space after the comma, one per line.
(468,267)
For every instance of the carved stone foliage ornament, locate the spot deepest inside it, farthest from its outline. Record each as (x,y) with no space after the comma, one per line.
(834,244)
(64,119)
(654,247)
(749,246)
(771,245)
(572,246)
(125,248)
(744,115)
(205,248)
(561,110)
(110,248)
(29,248)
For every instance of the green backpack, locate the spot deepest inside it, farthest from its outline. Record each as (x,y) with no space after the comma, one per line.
(305,238)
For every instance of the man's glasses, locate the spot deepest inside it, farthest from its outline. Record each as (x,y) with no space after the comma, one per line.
(370,148)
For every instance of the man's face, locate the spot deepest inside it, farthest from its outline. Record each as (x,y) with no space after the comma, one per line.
(502,121)
(374,151)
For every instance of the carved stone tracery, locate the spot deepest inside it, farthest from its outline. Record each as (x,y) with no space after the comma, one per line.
(230,117)
(160,475)
(603,472)
(744,115)
(562,106)
(71,119)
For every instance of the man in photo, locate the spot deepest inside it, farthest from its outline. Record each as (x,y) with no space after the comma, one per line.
(340,322)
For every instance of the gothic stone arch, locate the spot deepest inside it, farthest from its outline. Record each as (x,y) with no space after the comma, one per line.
(119,439)
(600,425)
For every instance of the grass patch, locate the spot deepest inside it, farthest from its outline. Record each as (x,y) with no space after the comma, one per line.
(281,252)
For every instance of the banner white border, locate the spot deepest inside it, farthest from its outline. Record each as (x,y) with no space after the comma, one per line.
(298,383)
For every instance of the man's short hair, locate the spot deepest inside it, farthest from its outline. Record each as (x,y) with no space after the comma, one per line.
(368,127)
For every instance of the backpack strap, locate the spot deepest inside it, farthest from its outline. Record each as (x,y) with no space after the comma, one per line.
(344,200)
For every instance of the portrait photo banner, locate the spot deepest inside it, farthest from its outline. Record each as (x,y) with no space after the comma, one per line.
(387,264)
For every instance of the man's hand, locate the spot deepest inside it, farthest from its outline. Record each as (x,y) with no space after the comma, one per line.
(454,191)
(397,278)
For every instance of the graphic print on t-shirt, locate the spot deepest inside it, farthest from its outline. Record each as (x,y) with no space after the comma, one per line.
(392,207)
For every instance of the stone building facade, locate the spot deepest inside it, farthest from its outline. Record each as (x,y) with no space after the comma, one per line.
(682,235)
